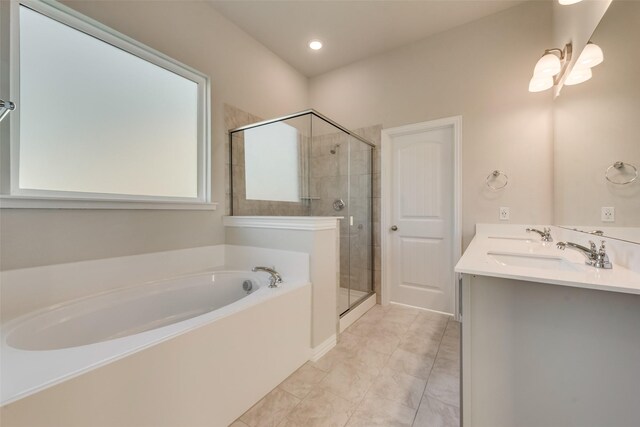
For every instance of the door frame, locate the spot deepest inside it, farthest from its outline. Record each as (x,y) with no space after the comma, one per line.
(455,123)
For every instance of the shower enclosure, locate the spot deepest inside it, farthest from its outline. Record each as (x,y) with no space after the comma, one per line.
(307,165)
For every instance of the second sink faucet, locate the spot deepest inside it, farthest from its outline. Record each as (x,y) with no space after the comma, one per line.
(597,258)
(546,234)
(275,278)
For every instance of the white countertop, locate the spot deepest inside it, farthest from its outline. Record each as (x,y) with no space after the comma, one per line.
(494,243)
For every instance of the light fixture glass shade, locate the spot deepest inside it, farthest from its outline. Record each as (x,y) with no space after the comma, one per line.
(578,75)
(568,2)
(548,65)
(540,83)
(315,44)
(591,56)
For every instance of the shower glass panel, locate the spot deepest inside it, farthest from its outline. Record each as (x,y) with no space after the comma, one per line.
(270,169)
(307,165)
(360,221)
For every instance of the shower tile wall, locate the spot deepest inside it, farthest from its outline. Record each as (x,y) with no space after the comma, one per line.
(328,183)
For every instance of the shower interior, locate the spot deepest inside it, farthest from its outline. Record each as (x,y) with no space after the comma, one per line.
(305,164)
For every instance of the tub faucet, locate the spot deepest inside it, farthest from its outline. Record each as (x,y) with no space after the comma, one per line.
(275,278)
(597,258)
(546,234)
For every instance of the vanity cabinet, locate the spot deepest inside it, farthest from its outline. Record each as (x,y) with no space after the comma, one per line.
(539,354)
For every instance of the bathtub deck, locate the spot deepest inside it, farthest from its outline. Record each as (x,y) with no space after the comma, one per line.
(394,366)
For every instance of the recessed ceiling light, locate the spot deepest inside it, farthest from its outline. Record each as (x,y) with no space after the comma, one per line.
(315,44)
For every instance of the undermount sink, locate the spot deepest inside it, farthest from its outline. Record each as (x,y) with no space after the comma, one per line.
(532,261)
(516,238)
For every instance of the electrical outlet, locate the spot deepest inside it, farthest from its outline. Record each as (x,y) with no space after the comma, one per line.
(608,214)
(504,214)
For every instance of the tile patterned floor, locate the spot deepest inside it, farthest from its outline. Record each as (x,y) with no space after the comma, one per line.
(395,366)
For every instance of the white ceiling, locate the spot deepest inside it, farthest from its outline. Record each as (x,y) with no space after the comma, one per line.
(350,30)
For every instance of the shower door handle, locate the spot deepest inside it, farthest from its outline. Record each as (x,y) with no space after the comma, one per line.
(394,228)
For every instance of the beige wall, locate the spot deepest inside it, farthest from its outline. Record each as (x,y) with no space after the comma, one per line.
(480,71)
(243,73)
(596,124)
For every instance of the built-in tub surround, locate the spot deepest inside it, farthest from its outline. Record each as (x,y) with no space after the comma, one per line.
(547,339)
(317,236)
(165,340)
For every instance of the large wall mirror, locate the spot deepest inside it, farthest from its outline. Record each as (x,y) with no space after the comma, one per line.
(597,132)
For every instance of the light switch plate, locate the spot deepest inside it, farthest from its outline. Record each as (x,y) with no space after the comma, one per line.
(504,214)
(608,214)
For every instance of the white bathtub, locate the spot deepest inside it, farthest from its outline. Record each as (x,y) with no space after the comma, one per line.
(48,347)
(130,311)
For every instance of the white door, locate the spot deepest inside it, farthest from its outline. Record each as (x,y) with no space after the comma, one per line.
(421,218)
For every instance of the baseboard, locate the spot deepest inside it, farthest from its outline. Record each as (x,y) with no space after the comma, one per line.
(357,312)
(322,349)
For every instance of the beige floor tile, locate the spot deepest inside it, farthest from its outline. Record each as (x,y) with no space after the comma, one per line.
(348,382)
(444,381)
(367,328)
(349,341)
(425,343)
(375,411)
(302,381)
(431,315)
(382,341)
(389,324)
(434,413)
(364,358)
(376,312)
(399,387)
(405,318)
(322,409)
(396,308)
(271,410)
(330,360)
(422,325)
(453,329)
(417,365)
(449,348)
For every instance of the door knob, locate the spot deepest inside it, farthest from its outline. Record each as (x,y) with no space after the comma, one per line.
(394,228)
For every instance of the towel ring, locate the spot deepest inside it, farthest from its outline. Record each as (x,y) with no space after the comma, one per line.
(493,176)
(621,165)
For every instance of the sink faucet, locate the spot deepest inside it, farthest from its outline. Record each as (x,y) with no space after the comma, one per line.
(597,258)
(546,234)
(275,278)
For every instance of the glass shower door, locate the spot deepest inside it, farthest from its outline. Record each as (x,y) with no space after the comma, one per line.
(358,221)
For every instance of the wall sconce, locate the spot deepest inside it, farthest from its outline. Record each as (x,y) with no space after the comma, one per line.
(591,56)
(6,107)
(568,2)
(550,68)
